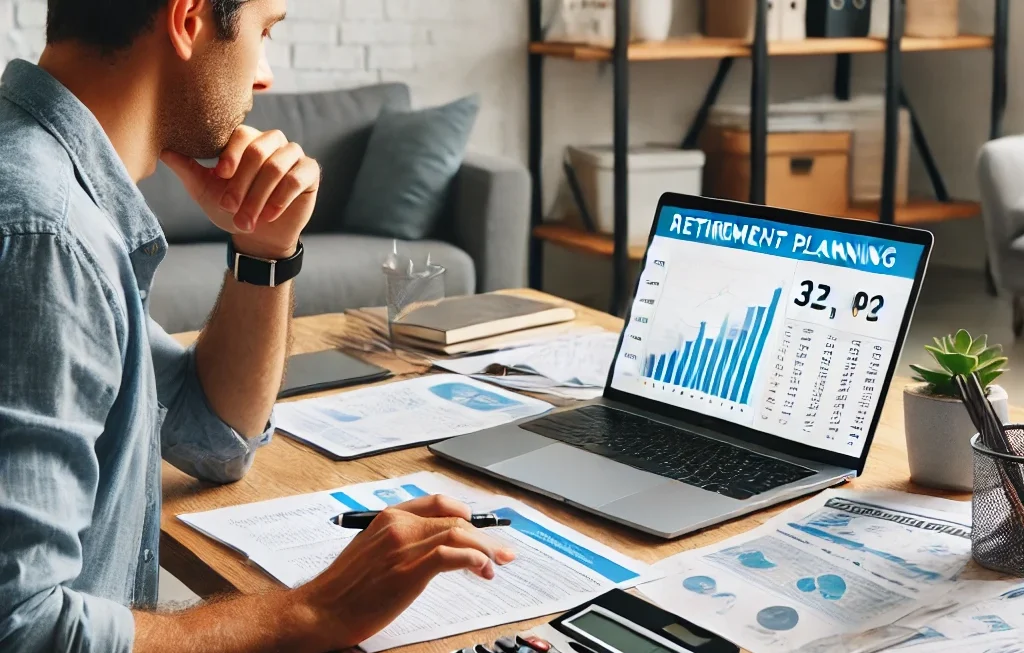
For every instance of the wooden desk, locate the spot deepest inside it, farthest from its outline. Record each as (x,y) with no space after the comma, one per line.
(286,467)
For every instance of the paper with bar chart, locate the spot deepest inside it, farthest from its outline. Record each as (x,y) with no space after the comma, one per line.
(787,330)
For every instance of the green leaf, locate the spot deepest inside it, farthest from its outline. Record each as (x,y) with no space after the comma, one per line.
(948,342)
(935,351)
(957,363)
(990,353)
(979,344)
(962,341)
(993,364)
(939,344)
(987,378)
(932,376)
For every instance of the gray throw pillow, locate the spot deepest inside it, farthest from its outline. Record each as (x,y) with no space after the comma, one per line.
(410,162)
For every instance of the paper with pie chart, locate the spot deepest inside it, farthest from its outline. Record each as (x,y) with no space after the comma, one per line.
(402,414)
(842,563)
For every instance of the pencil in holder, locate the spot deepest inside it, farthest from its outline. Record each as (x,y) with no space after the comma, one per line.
(997,531)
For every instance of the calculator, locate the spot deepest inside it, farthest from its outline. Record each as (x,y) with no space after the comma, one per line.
(616,622)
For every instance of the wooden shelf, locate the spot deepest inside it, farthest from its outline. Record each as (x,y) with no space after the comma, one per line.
(920,211)
(916,212)
(576,239)
(715,48)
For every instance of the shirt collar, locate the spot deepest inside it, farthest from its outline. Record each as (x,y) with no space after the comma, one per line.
(99,168)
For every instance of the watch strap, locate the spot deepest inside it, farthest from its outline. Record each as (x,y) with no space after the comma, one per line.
(264,272)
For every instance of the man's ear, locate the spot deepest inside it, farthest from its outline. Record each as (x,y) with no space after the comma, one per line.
(186,21)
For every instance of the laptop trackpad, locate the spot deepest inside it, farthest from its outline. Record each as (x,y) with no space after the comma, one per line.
(578,476)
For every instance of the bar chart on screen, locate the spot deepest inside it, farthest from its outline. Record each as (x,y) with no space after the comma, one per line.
(721,364)
(700,340)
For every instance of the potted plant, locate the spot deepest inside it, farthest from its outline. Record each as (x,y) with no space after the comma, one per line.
(938,427)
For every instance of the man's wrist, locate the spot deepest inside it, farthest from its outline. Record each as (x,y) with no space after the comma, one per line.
(247,246)
(303,623)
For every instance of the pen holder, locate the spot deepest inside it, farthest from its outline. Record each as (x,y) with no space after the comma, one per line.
(997,531)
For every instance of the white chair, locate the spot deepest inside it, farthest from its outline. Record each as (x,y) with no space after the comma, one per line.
(1001,181)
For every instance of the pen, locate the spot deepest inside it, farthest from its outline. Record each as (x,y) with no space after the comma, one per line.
(361,520)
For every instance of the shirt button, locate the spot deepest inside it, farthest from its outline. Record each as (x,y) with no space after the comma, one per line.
(143,294)
(147,556)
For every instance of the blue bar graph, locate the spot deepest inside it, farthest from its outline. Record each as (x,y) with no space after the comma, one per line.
(723,366)
(682,365)
(661,367)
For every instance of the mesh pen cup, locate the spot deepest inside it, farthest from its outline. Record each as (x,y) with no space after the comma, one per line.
(997,532)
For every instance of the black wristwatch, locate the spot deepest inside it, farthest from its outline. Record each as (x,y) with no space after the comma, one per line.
(262,271)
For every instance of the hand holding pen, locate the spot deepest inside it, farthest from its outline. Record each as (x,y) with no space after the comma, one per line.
(362,520)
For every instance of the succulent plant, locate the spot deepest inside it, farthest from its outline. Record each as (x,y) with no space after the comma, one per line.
(961,354)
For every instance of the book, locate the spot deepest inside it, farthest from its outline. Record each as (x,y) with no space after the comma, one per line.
(461,319)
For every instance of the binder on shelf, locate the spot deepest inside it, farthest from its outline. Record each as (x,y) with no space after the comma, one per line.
(838,18)
(774,20)
(792,20)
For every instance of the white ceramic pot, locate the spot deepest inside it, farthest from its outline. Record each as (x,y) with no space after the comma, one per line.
(652,19)
(939,432)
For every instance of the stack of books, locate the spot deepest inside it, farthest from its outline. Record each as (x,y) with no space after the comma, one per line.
(474,323)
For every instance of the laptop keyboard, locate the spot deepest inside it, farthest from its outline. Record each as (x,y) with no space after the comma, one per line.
(668,451)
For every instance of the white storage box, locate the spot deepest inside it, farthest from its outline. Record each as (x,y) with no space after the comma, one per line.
(653,171)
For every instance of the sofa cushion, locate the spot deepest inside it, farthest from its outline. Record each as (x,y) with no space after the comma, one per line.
(332,127)
(339,271)
(410,162)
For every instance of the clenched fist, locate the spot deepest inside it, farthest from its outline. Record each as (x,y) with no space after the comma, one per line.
(262,190)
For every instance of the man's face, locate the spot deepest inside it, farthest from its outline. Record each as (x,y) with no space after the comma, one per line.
(210,95)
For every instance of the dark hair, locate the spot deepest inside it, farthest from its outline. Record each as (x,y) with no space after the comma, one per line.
(113,25)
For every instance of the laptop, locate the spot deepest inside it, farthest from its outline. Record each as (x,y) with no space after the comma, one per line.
(752,369)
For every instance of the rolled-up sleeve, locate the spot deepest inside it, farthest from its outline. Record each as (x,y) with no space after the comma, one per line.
(194,439)
(61,366)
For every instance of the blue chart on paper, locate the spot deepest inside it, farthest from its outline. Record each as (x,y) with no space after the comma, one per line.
(723,365)
(471,397)
(778,617)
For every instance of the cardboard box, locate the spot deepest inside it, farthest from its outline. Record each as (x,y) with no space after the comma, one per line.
(806,171)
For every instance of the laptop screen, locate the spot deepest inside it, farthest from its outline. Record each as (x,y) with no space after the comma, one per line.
(785,329)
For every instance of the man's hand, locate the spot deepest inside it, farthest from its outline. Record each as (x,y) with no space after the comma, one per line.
(262,190)
(387,566)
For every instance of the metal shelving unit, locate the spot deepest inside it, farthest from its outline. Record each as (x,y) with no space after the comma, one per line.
(622,53)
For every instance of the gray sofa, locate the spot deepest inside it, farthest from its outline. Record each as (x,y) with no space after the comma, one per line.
(481,239)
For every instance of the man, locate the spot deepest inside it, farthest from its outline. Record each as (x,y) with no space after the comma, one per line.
(93,392)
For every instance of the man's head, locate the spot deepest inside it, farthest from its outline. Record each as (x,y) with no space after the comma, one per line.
(209,55)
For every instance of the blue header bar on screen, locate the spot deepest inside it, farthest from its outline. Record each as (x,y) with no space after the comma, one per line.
(791,241)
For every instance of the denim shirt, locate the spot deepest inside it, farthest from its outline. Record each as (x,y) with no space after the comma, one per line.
(92,391)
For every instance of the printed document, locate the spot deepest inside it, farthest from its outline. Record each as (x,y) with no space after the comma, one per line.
(402,414)
(556,567)
(842,563)
(977,616)
(576,364)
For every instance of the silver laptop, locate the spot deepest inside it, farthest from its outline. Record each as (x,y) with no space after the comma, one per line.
(752,369)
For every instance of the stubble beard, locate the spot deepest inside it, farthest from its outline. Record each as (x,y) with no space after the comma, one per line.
(201,113)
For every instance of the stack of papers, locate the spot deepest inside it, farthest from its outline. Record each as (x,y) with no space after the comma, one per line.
(556,567)
(401,414)
(850,571)
(572,368)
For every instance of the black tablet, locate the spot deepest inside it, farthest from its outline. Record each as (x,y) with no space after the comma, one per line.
(325,370)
